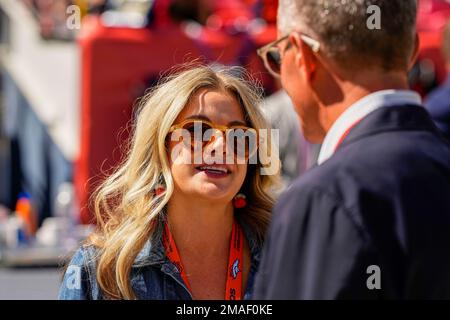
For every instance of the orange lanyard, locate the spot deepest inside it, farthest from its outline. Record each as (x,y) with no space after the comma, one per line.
(234,271)
(346,134)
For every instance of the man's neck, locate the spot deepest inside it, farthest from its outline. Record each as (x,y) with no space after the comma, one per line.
(359,87)
(200,226)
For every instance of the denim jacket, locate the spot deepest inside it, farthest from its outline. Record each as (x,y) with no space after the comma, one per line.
(153,275)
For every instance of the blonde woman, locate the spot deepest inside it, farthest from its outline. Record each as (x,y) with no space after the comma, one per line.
(172,228)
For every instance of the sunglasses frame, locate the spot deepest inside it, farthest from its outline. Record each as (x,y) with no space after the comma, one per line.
(219,127)
(263,51)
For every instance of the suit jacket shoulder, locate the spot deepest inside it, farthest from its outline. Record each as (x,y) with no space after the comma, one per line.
(382,199)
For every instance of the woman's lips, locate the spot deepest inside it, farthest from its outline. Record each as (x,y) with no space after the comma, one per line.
(214,171)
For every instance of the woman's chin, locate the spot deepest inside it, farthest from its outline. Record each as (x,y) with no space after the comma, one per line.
(214,192)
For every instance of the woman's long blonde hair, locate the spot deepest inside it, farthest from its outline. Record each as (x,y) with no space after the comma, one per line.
(125,205)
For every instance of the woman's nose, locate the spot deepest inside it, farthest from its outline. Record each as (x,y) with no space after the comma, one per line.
(217,144)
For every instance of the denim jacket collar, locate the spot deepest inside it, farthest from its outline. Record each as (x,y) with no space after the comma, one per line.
(153,254)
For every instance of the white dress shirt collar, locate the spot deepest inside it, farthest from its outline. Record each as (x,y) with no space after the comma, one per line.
(359,110)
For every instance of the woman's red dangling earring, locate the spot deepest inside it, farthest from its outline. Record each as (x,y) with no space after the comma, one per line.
(160,188)
(239,201)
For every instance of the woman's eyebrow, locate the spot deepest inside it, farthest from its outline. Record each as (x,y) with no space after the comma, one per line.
(237,123)
(203,117)
(199,117)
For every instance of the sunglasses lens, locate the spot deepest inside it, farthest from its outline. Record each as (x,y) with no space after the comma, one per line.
(199,131)
(273,58)
(243,142)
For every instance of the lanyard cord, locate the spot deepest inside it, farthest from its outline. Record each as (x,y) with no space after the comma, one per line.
(346,134)
(235,260)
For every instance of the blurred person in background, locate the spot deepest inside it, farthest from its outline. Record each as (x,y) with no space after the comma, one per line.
(372,220)
(96,6)
(438,102)
(195,10)
(279,112)
(170,229)
(296,154)
(52,17)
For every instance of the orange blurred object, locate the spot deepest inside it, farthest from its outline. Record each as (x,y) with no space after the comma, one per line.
(25,210)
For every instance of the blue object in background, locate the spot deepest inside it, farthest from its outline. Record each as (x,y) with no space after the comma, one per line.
(35,163)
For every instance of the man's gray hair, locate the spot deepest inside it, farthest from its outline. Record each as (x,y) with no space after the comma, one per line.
(341,27)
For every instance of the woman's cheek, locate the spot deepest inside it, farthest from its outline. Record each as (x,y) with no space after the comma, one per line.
(180,155)
(241,174)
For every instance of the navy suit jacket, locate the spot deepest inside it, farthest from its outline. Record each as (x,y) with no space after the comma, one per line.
(383,200)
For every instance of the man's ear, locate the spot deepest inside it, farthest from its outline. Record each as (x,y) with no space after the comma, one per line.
(415,52)
(305,59)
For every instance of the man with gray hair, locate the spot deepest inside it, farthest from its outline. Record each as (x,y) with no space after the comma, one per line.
(372,220)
